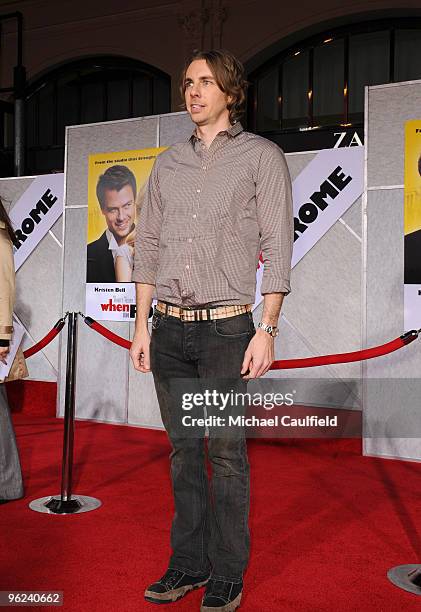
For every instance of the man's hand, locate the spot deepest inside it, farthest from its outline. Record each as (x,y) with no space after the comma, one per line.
(259,355)
(4,351)
(139,351)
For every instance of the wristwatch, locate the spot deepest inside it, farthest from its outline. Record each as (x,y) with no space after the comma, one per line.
(270,329)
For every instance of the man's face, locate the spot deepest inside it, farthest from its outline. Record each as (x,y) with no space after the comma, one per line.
(119,210)
(205,102)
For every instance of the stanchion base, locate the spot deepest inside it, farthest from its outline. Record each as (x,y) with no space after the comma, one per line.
(406,577)
(54,505)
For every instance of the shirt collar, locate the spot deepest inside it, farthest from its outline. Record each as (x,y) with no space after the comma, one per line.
(112,242)
(232,131)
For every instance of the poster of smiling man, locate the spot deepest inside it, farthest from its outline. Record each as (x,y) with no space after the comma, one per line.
(116,186)
(412,224)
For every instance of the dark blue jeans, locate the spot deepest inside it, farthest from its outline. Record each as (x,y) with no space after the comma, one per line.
(210,525)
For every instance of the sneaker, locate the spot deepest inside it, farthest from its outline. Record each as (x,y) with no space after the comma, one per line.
(173,585)
(222,596)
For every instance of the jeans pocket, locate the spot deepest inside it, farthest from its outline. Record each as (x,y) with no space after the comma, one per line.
(156,321)
(233,327)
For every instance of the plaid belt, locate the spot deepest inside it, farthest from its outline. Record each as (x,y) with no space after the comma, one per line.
(202,314)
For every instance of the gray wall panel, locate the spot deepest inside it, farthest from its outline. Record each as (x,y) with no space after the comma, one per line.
(325,301)
(391,406)
(58,229)
(38,299)
(353,217)
(389,107)
(384,276)
(143,408)
(74,263)
(174,127)
(103,368)
(297,162)
(102,375)
(38,289)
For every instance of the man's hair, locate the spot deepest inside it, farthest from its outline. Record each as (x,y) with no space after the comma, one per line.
(114,179)
(229,75)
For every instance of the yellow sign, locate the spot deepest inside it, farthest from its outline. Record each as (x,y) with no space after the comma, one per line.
(116,188)
(412,176)
(412,225)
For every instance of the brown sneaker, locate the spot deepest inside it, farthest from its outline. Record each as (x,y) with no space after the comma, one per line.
(173,585)
(221,596)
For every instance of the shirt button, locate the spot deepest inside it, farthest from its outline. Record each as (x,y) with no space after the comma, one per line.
(198,190)
(190,240)
(184,292)
(194,216)
(187,267)
(203,167)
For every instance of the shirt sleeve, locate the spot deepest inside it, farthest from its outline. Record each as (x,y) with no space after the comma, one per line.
(275,219)
(7,286)
(148,232)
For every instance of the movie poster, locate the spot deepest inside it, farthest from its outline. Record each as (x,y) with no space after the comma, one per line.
(116,188)
(412,225)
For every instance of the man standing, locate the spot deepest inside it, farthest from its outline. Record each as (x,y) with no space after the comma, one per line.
(116,193)
(212,204)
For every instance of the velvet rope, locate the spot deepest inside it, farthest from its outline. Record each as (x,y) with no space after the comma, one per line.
(106,332)
(46,340)
(283,364)
(370,353)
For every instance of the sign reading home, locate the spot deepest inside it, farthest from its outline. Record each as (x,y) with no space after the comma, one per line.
(35,213)
(322,193)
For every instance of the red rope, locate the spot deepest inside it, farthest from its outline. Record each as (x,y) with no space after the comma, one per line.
(370,353)
(283,364)
(107,333)
(46,340)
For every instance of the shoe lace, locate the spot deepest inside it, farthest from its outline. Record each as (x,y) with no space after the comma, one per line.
(219,588)
(171,577)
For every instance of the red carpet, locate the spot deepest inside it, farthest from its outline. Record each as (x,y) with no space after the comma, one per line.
(326,523)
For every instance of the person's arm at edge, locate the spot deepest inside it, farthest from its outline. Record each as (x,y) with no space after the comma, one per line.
(7,296)
(276,239)
(259,365)
(145,267)
(139,351)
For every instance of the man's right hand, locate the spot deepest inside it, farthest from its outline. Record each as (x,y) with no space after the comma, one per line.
(139,351)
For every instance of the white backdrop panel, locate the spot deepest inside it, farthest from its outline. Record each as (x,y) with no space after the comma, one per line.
(387,411)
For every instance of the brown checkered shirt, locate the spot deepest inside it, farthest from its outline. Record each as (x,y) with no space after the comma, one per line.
(206,215)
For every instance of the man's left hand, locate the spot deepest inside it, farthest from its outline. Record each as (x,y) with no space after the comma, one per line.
(259,355)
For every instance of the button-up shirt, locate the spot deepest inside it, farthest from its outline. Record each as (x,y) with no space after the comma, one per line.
(207,214)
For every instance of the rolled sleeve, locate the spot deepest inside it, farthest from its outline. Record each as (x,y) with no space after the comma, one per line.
(275,219)
(7,287)
(148,232)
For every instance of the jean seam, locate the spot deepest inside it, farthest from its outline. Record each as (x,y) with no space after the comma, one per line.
(226,579)
(203,478)
(185,570)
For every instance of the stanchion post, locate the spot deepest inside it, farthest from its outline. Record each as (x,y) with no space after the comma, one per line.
(69,409)
(66,503)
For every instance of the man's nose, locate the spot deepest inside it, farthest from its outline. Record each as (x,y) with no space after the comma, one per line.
(194,91)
